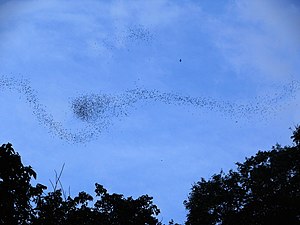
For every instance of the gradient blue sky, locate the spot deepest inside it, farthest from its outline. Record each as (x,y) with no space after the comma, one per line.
(234,51)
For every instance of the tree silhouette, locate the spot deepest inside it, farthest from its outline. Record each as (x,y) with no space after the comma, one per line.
(23,204)
(16,191)
(265,190)
(110,209)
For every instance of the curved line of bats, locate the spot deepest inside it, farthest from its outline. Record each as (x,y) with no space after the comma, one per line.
(97,110)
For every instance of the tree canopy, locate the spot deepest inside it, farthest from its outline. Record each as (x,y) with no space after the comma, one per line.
(24,204)
(264,190)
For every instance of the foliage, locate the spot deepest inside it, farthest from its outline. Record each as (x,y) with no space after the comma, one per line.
(15,189)
(23,204)
(264,190)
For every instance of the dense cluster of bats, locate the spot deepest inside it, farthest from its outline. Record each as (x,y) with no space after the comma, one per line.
(97,111)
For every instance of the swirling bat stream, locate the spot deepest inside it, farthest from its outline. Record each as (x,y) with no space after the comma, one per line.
(96,111)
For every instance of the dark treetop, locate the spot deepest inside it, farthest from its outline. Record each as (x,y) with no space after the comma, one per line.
(264,190)
(24,204)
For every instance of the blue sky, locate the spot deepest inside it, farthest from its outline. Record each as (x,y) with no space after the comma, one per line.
(236,53)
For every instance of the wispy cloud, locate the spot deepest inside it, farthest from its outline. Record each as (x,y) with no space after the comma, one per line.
(59,24)
(259,38)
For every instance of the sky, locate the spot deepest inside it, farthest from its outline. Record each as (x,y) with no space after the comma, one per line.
(147,97)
